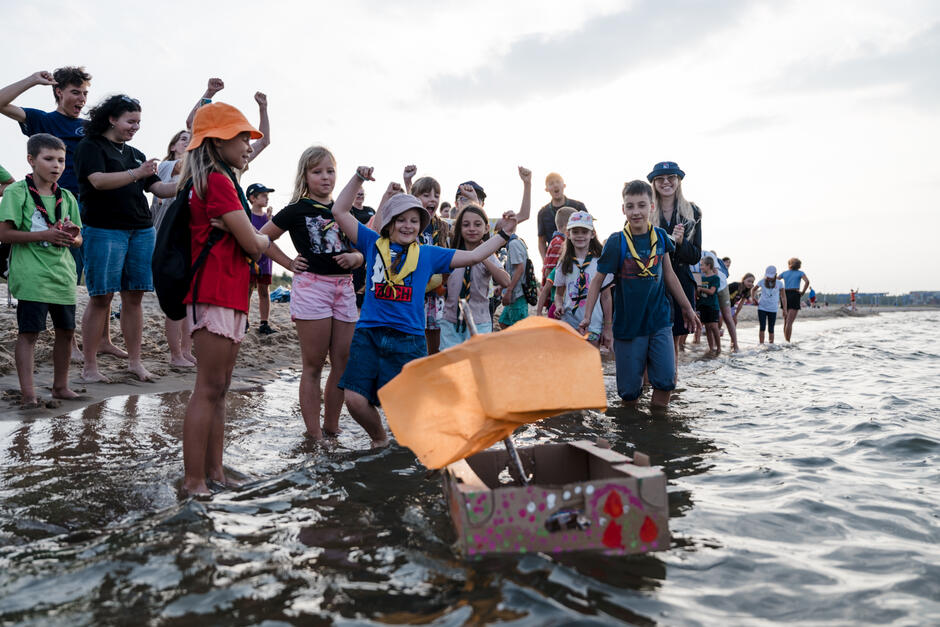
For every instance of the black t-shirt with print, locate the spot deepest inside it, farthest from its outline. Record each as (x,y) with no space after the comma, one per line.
(122,208)
(315,234)
(546,216)
(363,215)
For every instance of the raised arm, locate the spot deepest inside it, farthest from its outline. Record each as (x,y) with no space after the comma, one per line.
(408,175)
(264,125)
(497,272)
(525,208)
(9,93)
(344,202)
(491,246)
(214,86)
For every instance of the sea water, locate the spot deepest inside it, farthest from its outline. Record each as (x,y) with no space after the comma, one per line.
(803,488)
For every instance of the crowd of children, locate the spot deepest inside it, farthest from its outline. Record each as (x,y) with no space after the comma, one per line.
(371,289)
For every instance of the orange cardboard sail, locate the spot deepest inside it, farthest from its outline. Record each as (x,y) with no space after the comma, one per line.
(463,400)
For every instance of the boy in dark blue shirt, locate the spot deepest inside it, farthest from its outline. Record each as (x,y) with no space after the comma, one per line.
(641,333)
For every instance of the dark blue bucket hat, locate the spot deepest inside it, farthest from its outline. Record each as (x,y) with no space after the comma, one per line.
(664,168)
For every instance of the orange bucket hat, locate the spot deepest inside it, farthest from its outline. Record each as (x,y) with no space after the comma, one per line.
(222,121)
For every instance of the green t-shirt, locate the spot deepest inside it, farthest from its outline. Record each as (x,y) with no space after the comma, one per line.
(39,271)
(4,175)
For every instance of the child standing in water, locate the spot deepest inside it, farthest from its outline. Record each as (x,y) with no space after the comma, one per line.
(471,229)
(323,300)
(573,275)
(791,280)
(708,303)
(218,296)
(641,336)
(390,331)
(771,293)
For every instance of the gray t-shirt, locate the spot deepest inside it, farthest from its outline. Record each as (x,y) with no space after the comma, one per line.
(479,292)
(517,254)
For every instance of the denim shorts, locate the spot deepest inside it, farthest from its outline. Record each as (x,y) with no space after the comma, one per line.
(376,356)
(118,260)
(654,353)
(450,336)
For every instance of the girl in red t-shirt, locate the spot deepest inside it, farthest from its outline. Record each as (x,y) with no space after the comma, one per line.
(218,298)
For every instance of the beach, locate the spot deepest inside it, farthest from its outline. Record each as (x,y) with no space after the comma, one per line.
(260,357)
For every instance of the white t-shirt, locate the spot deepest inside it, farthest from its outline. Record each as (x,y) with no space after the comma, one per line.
(769,296)
(159,205)
(573,291)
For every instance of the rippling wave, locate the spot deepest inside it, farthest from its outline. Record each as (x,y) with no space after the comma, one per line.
(803,487)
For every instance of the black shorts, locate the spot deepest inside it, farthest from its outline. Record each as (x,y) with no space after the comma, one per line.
(793,299)
(707,314)
(31,316)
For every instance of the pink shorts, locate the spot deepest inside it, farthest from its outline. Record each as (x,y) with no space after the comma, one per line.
(222,321)
(320,296)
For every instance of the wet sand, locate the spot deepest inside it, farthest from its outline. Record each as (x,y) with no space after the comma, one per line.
(260,358)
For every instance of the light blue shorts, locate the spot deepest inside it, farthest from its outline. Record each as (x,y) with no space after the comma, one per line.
(118,260)
(653,353)
(451,337)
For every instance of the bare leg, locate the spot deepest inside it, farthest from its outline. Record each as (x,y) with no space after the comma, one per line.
(342,333)
(314,336)
(216,444)
(264,302)
(728,317)
(433,339)
(93,321)
(368,417)
(788,323)
(23,355)
(770,338)
(107,347)
(660,398)
(216,361)
(61,353)
(132,327)
(186,339)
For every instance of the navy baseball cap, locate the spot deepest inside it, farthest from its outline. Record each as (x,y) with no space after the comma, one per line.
(664,168)
(476,187)
(257,188)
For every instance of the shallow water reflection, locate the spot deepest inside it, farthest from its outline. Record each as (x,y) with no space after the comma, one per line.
(795,495)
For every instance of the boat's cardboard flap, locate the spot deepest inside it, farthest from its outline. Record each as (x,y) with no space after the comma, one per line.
(468,480)
(651,480)
(608,455)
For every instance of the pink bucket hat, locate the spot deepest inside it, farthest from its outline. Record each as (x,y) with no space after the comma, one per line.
(399,204)
(580,219)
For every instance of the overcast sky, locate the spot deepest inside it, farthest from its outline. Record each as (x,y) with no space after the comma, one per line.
(805,129)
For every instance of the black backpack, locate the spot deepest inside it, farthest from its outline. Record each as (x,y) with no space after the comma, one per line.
(530,285)
(172,264)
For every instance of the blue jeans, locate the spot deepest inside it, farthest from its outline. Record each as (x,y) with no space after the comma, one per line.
(376,356)
(653,353)
(118,260)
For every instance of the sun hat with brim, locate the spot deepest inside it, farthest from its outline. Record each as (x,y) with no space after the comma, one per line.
(221,121)
(770,272)
(399,204)
(665,168)
(580,219)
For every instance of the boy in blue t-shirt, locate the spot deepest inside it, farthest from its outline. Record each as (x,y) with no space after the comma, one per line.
(641,334)
(390,331)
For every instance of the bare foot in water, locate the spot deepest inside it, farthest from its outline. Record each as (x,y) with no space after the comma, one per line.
(198,490)
(65,394)
(93,376)
(224,480)
(140,372)
(380,443)
(181,361)
(111,349)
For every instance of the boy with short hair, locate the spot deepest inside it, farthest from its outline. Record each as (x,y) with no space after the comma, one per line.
(708,302)
(260,276)
(641,334)
(41,220)
(555,186)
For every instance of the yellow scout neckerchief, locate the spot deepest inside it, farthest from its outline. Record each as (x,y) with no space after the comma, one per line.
(644,269)
(411,261)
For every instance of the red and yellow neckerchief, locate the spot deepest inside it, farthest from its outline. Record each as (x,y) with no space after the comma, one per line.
(650,261)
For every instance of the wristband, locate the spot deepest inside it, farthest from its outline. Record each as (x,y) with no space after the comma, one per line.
(131,172)
(204,101)
(504,235)
(361,178)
